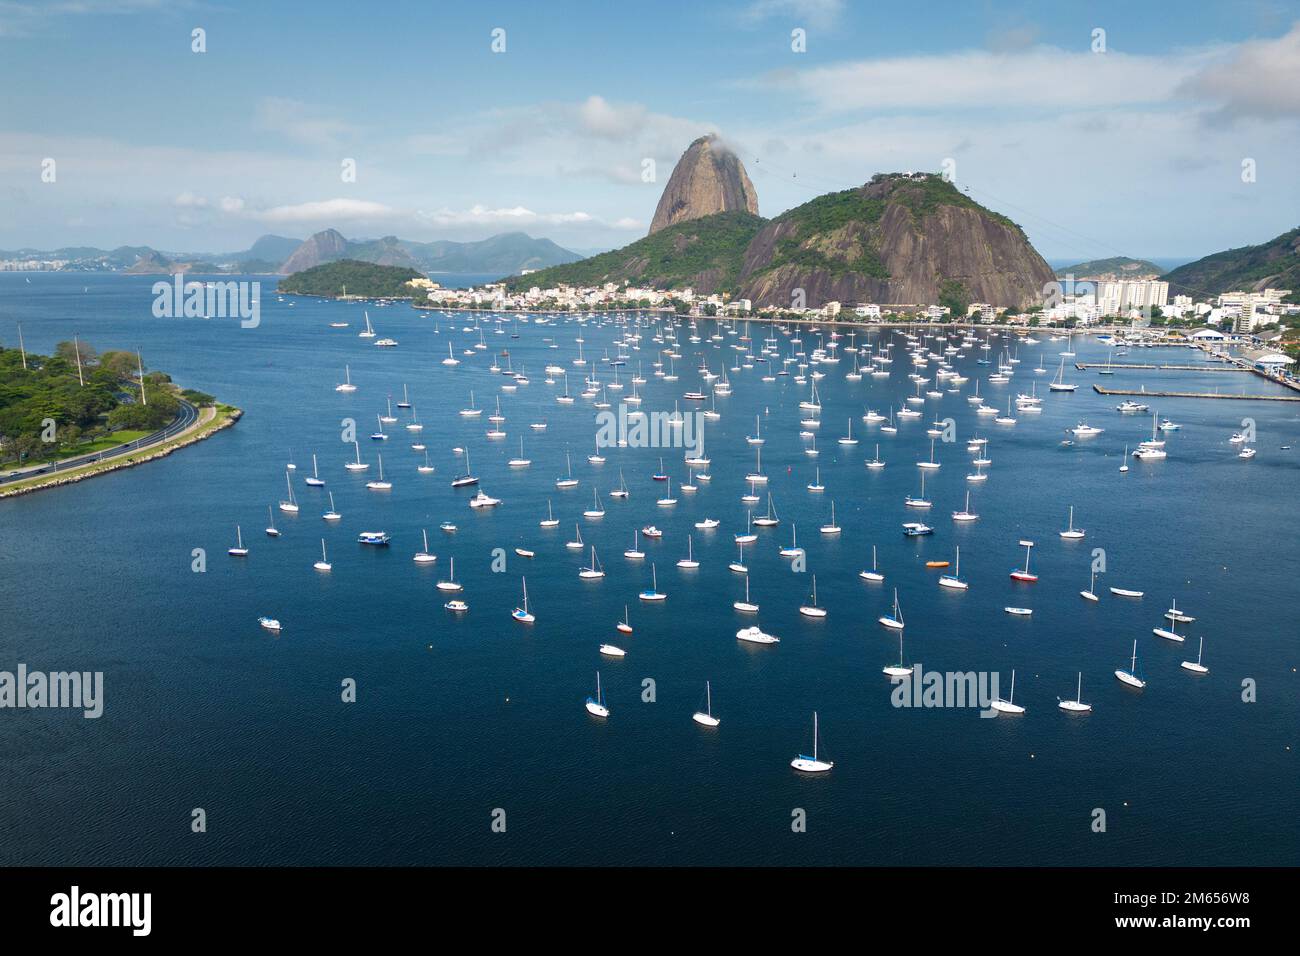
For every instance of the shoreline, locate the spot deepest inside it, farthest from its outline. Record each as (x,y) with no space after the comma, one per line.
(221,417)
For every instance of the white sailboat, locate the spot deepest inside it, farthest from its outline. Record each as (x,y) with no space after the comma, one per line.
(451,584)
(813,764)
(688,562)
(593,571)
(1008,706)
(893,620)
(1091,593)
(1072,533)
(331,515)
(323,564)
(597,510)
(346,385)
(238,551)
(1076,706)
(831,528)
(654,593)
(954,580)
(900,669)
(357,465)
(813,609)
(380,483)
(315,479)
(1198,667)
(290,506)
(596,705)
(705,717)
(522,614)
(271,530)
(1130,676)
(425,556)
(746,606)
(550,521)
(873,575)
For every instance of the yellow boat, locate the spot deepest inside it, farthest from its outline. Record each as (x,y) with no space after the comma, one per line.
(936,564)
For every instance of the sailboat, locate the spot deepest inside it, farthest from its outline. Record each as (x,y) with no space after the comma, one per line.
(521,461)
(271,530)
(812,764)
(451,584)
(380,484)
(290,506)
(667,501)
(1076,706)
(688,562)
(849,439)
(900,669)
(922,501)
(1059,384)
(872,575)
(315,479)
(597,510)
(550,521)
(596,705)
(831,528)
(621,491)
(425,556)
(1169,634)
(1124,464)
(1198,667)
(653,594)
(406,400)
(634,553)
(954,580)
(1008,706)
(623,627)
(576,544)
(793,550)
(815,486)
(746,605)
(427,468)
(323,564)
(893,620)
(238,551)
(369,331)
(567,481)
(593,572)
(770,519)
(1072,533)
(1091,593)
(930,465)
(346,385)
(1024,574)
(357,465)
(468,478)
(813,609)
(875,463)
(1130,676)
(705,717)
(522,614)
(965,514)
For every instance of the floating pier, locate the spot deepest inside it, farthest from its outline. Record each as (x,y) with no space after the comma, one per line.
(1240,396)
(1083,366)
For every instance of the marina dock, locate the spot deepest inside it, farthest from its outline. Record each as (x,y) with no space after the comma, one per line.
(1084,366)
(1250,398)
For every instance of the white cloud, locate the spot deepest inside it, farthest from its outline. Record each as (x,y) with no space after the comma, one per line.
(327,211)
(302,123)
(1260,78)
(1043,78)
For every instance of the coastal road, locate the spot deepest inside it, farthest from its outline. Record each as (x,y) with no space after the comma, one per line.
(187,417)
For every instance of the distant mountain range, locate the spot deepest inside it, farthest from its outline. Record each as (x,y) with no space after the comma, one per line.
(1116,265)
(504,254)
(1275,264)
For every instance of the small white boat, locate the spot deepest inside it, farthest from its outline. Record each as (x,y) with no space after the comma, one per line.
(270,623)
(746,606)
(271,530)
(238,551)
(451,584)
(290,506)
(596,705)
(705,717)
(1197,667)
(1008,706)
(893,620)
(323,564)
(609,650)
(1125,592)
(813,609)
(1076,706)
(425,556)
(1130,676)
(900,669)
(1071,533)
(753,635)
(1019,611)
(653,594)
(522,614)
(813,764)
(873,575)
(953,581)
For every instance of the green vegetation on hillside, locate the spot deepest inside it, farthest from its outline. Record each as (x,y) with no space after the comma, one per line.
(83,415)
(671,258)
(923,196)
(358,278)
(1116,265)
(1241,269)
(821,216)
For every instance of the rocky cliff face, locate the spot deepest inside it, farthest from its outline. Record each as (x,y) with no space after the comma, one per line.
(900,239)
(708,179)
(325,246)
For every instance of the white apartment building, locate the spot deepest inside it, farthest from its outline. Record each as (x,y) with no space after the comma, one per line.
(1114,297)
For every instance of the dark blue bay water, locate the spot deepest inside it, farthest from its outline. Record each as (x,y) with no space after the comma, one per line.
(457,717)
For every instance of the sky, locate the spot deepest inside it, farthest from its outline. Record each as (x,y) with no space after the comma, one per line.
(1150,129)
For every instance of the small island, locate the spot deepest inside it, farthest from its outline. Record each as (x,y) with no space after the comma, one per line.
(77,413)
(353,279)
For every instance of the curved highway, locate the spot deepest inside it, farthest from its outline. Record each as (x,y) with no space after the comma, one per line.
(188,415)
